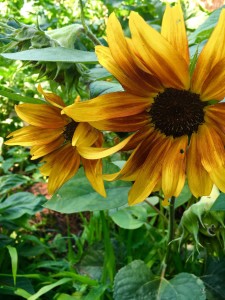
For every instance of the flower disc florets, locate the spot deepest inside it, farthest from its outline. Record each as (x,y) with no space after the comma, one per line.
(177,112)
(69,130)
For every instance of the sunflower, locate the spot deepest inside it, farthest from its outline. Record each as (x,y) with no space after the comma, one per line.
(178,117)
(57,139)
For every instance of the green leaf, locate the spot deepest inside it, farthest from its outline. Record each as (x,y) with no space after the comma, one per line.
(184,196)
(136,282)
(66,297)
(180,286)
(104,87)
(20,98)
(8,182)
(19,204)
(77,195)
(48,288)
(22,293)
(205,29)
(214,277)
(58,54)
(130,279)
(219,204)
(96,74)
(130,217)
(96,292)
(14,261)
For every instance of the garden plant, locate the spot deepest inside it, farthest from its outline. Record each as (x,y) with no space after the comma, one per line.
(112,150)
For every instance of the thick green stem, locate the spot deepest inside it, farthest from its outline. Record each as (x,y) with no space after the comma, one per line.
(91,36)
(171,233)
(171,220)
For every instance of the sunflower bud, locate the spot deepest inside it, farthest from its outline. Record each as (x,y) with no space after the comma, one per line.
(205,226)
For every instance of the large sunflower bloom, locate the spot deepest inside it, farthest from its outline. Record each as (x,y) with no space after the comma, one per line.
(178,117)
(57,139)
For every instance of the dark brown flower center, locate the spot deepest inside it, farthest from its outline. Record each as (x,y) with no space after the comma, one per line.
(177,112)
(69,130)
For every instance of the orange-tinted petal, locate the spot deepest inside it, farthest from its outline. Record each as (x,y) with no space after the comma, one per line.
(158,54)
(84,135)
(41,115)
(173,29)
(128,124)
(217,114)
(141,84)
(42,150)
(199,181)
(107,106)
(64,165)
(213,87)
(150,173)
(97,153)
(53,99)
(173,168)
(212,53)
(93,171)
(218,177)
(211,147)
(31,135)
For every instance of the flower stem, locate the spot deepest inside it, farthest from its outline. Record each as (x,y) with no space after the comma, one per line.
(171,220)
(171,233)
(91,36)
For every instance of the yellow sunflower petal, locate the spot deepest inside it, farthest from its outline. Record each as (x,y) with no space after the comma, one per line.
(31,135)
(173,29)
(64,167)
(199,181)
(212,53)
(84,135)
(139,136)
(128,124)
(135,162)
(218,177)
(173,168)
(42,150)
(41,115)
(93,171)
(123,57)
(159,55)
(213,87)
(107,106)
(217,114)
(141,84)
(97,153)
(53,99)
(211,147)
(150,173)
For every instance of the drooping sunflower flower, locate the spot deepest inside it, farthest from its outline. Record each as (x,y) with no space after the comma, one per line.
(57,139)
(178,117)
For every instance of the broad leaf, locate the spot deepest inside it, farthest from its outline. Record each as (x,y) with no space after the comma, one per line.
(103,87)
(130,279)
(214,277)
(19,204)
(132,217)
(136,282)
(219,204)
(184,196)
(205,29)
(77,195)
(58,54)
(8,182)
